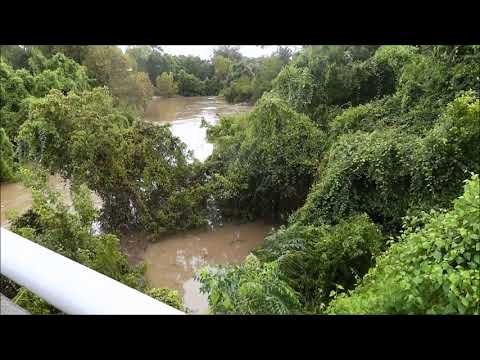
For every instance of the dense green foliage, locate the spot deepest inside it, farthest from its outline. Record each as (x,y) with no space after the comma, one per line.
(166,85)
(228,72)
(17,87)
(188,84)
(385,173)
(245,80)
(6,159)
(17,56)
(434,269)
(140,171)
(272,168)
(358,151)
(69,232)
(167,296)
(317,260)
(108,66)
(251,288)
(395,131)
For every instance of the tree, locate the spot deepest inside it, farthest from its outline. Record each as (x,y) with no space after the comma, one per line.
(166,85)
(16,55)
(229,52)
(75,52)
(223,68)
(199,68)
(6,157)
(188,84)
(158,63)
(60,73)
(12,93)
(140,55)
(284,54)
(264,76)
(239,90)
(135,90)
(296,86)
(270,161)
(106,64)
(141,172)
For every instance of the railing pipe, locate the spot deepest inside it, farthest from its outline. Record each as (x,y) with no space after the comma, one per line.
(69,286)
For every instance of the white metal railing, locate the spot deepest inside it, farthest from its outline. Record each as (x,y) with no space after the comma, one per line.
(69,286)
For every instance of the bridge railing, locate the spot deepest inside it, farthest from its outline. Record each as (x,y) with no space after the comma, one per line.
(69,286)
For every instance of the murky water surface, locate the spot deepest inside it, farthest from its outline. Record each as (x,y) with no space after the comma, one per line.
(185,116)
(15,196)
(173,261)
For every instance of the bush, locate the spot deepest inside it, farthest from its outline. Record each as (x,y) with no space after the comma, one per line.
(271,159)
(434,270)
(317,260)
(296,86)
(385,173)
(396,56)
(251,288)
(364,173)
(167,296)
(449,151)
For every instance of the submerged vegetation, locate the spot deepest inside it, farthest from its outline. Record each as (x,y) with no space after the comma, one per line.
(366,155)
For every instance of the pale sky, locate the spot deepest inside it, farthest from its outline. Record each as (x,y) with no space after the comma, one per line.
(206,51)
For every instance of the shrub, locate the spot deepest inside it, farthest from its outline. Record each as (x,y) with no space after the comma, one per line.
(251,288)
(167,296)
(274,155)
(317,260)
(385,172)
(364,172)
(434,270)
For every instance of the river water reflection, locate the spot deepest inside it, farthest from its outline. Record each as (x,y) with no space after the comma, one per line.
(184,114)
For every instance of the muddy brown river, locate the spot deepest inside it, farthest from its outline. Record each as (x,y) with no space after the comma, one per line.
(172,261)
(15,196)
(184,114)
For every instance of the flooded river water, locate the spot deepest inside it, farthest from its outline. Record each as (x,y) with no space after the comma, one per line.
(184,114)
(15,196)
(172,261)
